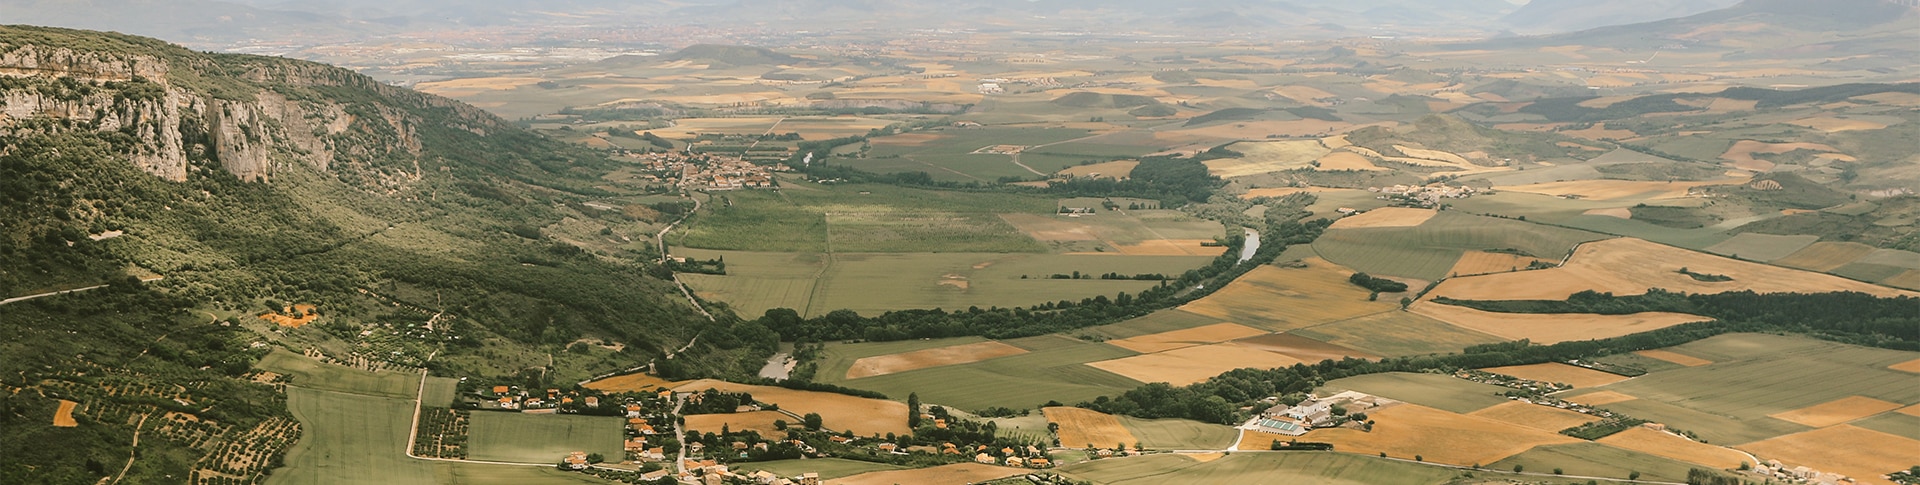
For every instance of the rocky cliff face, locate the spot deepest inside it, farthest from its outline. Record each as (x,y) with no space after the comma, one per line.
(251,116)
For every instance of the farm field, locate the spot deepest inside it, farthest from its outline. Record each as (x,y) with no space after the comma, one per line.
(1550,328)
(935,357)
(1558,372)
(1761,247)
(1284,298)
(635,382)
(1305,349)
(1267,156)
(1544,418)
(350,439)
(828,468)
(1188,365)
(1385,217)
(1178,434)
(1616,190)
(1599,398)
(1430,250)
(1826,256)
(1141,232)
(1482,262)
(1675,357)
(1019,381)
(1660,443)
(1118,169)
(1899,424)
(1080,427)
(63,415)
(1397,333)
(1838,449)
(1312,467)
(1837,411)
(1597,460)
(1445,393)
(1158,342)
(312,374)
(1438,436)
(541,438)
(1156,322)
(758,421)
(1627,266)
(949,154)
(865,417)
(860,218)
(955,473)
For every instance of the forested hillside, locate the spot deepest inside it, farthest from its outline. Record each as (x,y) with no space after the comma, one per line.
(422,231)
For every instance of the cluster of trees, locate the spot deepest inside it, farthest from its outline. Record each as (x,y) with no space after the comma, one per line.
(1174,181)
(1602,428)
(1854,318)
(1377,285)
(714,401)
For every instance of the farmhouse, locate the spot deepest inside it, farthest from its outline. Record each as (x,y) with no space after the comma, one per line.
(1277,426)
(577,460)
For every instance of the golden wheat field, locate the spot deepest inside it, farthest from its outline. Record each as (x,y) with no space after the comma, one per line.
(1405,430)
(1385,217)
(1863,454)
(1164,341)
(1544,418)
(1285,298)
(1551,328)
(1674,357)
(860,415)
(1836,411)
(1628,266)
(1081,427)
(1188,365)
(1661,443)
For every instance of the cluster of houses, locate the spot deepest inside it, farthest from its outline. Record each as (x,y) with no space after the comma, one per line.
(1507,381)
(1774,470)
(1423,195)
(707,472)
(705,171)
(1313,412)
(513,398)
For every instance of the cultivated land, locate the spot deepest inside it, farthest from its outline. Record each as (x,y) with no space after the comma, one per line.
(1550,328)
(934,357)
(1139,232)
(1597,460)
(955,473)
(1328,468)
(1675,357)
(1285,298)
(541,438)
(1627,266)
(1188,365)
(312,374)
(1081,427)
(1305,349)
(828,468)
(1430,390)
(1839,449)
(1761,247)
(1397,333)
(1826,256)
(1661,443)
(1385,217)
(1599,398)
(1178,434)
(1561,373)
(1053,371)
(63,416)
(1437,436)
(865,417)
(635,382)
(351,439)
(1430,250)
(757,421)
(1534,416)
(1481,262)
(1216,333)
(1837,411)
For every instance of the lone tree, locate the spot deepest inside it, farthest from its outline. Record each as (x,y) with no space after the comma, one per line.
(812,421)
(913,410)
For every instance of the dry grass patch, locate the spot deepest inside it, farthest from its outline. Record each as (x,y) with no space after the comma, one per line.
(1908,366)
(1118,169)
(1663,444)
(1544,418)
(1615,189)
(1674,357)
(955,473)
(757,421)
(1627,266)
(1305,349)
(1825,256)
(1267,156)
(1551,328)
(1741,153)
(1913,410)
(1083,426)
(1482,262)
(1406,430)
(1281,299)
(1171,247)
(881,365)
(1601,398)
(638,382)
(863,416)
(1558,372)
(292,317)
(1164,341)
(1860,453)
(1385,217)
(63,417)
(1193,364)
(1830,124)
(1836,411)
(1345,160)
(1619,212)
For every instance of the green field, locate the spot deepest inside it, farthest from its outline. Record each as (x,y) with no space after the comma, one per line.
(949,154)
(1156,322)
(350,439)
(1429,250)
(806,217)
(1396,334)
(542,438)
(1436,391)
(1754,375)
(1893,423)
(312,374)
(871,283)
(440,392)
(1179,434)
(1295,467)
(1638,361)
(828,468)
(1568,212)
(1761,247)
(1596,460)
(1019,381)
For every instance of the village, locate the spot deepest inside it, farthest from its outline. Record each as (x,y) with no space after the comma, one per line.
(704,171)
(1423,196)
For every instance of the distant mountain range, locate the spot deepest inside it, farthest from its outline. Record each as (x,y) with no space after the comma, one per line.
(1760,28)
(1549,16)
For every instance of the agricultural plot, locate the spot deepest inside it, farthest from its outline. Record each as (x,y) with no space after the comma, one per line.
(874,218)
(1178,434)
(1597,460)
(949,154)
(1558,372)
(1482,262)
(350,439)
(1761,247)
(1131,232)
(1119,169)
(955,473)
(1900,424)
(1534,416)
(756,421)
(636,382)
(1260,157)
(1836,412)
(1672,446)
(1627,266)
(1397,334)
(1305,349)
(63,415)
(1599,398)
(1442,392)
(935,357)
(541,438)
(1616,190)
(1323,468)
(312,374)
(828,468)
(1674,357)
(1385,217)
(1430,250)
(1838,449)
(1545,328)
(1019,381)
(1284,298)
(1188,365)
(1156,322)
(1437,436)
(1087,427)
(1216,333)
(862,416)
